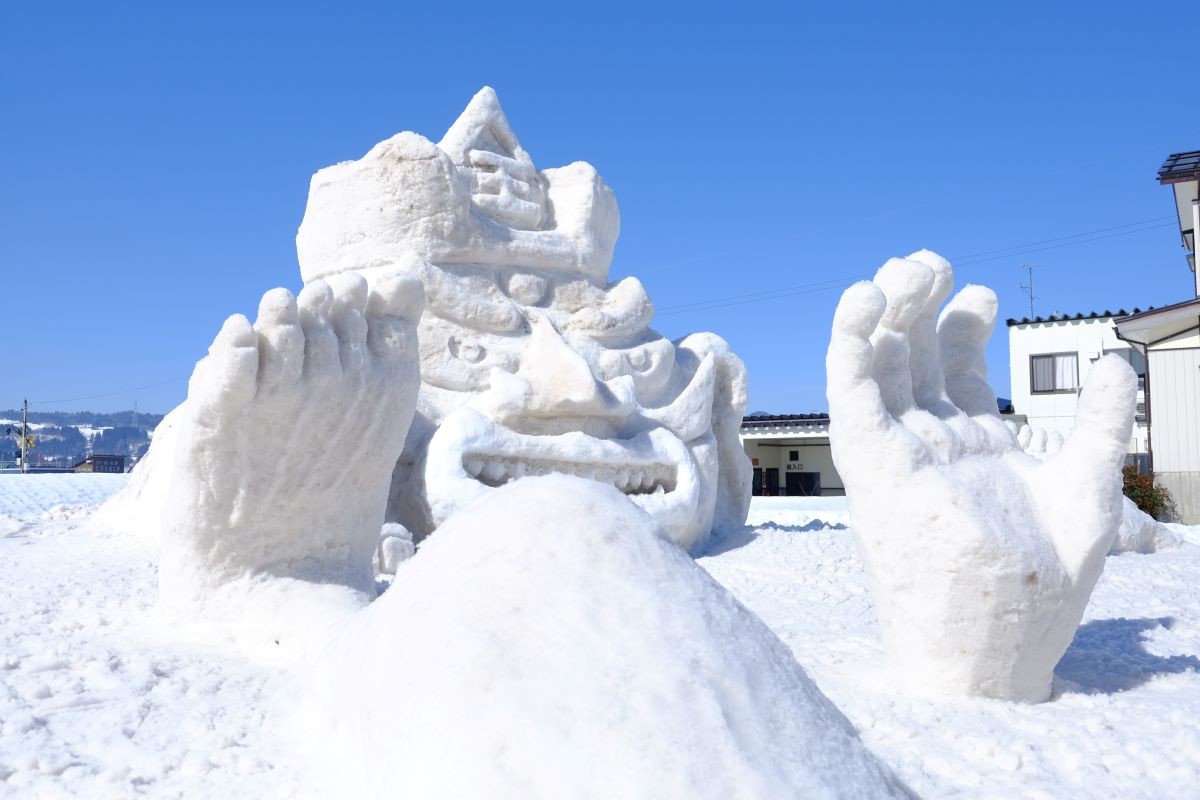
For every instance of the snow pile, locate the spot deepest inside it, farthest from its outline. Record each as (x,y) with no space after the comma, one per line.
(981,557)
(1140,532)
(29,497)
(551,642)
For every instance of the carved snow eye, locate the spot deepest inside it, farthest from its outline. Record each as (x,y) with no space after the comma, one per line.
(526,289)
(639,359)
(466,350)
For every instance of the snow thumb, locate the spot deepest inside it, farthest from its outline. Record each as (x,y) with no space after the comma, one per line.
(1087,469)
(1103,420)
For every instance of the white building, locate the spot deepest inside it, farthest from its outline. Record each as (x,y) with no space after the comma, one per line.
(790,454)
(1170,339)
(1049,361)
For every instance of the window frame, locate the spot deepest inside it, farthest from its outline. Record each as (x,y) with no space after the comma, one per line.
(1032,356)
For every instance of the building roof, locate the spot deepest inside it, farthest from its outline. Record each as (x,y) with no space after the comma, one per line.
(1180,167)
(778,420)
(1068,317)
(1159,324)
(756,421)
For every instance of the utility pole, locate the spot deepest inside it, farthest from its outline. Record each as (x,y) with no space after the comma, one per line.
(1029,289)
(135,413)
(25,437)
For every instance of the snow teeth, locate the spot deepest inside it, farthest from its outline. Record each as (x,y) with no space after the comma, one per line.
(642,479)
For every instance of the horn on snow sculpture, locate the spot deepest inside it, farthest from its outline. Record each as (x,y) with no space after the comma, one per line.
(530,362)
(980,557)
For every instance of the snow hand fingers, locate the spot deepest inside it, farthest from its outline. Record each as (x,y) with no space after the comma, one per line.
(906,285)
(850,387)
(963,331)
(929,385)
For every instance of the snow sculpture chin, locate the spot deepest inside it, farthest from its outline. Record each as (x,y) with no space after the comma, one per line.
(531,362)
(981,558)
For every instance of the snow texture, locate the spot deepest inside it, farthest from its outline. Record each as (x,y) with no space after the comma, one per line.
(99,698)
(252,496)
(981,558)
(550,641)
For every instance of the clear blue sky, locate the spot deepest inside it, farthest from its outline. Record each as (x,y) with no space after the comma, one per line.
(157,157)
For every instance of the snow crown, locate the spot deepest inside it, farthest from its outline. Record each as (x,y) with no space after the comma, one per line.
(473,198)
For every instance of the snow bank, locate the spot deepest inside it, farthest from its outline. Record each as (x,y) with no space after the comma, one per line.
(1140,532)
(550,641)
(29,498)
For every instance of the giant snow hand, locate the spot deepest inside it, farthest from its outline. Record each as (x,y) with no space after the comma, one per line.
(980,557)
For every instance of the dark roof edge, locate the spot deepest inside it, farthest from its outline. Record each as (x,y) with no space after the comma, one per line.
(1076,317)
(1152,310)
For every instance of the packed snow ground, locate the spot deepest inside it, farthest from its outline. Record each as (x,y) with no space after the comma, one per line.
(99,699)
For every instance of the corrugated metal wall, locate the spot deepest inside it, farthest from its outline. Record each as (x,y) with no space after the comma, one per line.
(1175,409)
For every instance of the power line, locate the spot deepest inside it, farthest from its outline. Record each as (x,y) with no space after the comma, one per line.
(964,261)
(1069,236)
(106,394)
(1055,243)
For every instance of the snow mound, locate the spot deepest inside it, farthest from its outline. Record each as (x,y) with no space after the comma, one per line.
(1140,532)
(550,641)
(31,497)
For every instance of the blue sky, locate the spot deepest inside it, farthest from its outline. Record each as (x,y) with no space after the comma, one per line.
(157,159)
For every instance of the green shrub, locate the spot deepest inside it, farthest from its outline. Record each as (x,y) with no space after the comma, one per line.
(1146,494)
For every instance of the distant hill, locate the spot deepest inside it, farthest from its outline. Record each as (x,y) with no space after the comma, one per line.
(64,438)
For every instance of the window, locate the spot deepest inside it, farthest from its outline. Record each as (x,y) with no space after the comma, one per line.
(793,455)
(1054,372)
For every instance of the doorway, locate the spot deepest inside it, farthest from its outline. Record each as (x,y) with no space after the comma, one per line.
(803,484)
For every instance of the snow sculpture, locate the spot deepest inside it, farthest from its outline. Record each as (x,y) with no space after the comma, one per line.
(981,558)
(251,495)
(531,362)
(544,647)
(1138,532)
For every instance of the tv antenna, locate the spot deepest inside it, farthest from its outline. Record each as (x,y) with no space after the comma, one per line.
(1029,289)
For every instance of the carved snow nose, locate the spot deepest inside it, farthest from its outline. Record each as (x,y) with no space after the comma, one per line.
(560,379)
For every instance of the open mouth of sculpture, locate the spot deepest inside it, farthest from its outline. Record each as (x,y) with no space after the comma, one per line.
(638,478)
(470,454)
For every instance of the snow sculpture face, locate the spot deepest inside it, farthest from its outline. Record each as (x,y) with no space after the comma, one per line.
(531,363)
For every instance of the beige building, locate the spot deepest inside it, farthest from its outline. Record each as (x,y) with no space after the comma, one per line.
(790,454)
